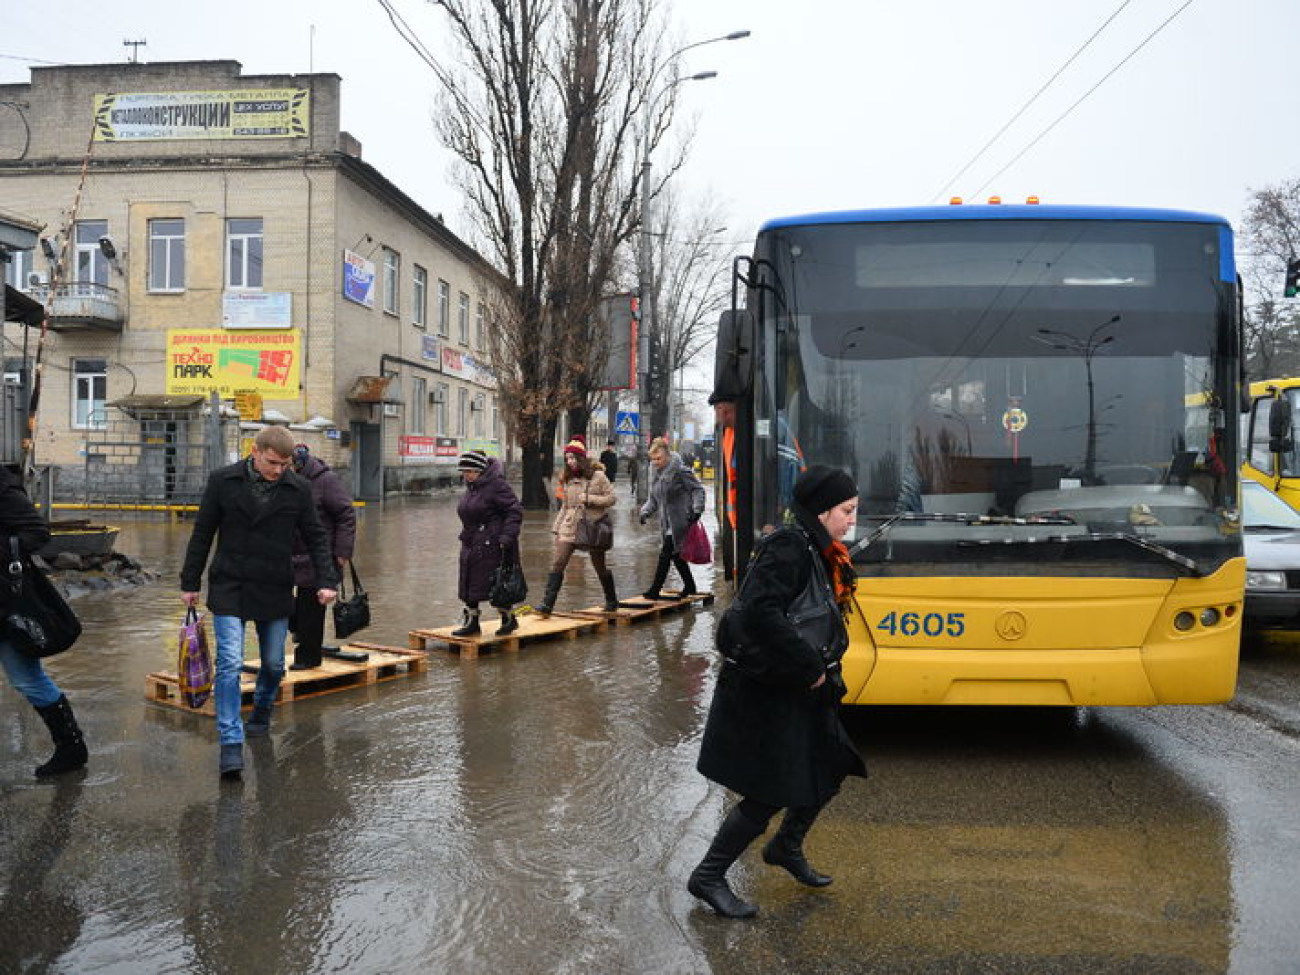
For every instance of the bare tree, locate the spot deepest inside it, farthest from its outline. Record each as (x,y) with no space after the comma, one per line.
(542,112)
(1270,238)
(691,262)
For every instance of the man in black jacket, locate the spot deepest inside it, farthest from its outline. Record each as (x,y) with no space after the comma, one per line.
(253,509)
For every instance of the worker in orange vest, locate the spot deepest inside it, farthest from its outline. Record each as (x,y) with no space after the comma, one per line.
(724,414)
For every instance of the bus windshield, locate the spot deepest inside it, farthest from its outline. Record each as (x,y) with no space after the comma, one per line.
(1036,394)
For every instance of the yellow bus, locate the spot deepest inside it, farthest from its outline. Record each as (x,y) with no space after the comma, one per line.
(1044,519)
(1268,432)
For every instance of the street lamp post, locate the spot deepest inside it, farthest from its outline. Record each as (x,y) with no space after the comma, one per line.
(645,271)
(1087,347)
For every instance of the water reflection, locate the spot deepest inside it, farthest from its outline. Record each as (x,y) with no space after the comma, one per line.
(1005,842)
(539,812)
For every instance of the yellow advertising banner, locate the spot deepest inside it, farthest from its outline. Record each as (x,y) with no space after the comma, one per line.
(259,113)
(202,360)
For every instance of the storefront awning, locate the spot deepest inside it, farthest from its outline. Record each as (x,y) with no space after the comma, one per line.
(22,308)
(374,389)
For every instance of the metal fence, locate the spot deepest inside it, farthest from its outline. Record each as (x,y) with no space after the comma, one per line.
(154,455)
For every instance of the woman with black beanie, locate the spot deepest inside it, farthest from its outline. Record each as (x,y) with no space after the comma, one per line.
(773,734)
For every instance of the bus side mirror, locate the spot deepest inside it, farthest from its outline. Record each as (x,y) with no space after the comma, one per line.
(733,365)
(1279,426)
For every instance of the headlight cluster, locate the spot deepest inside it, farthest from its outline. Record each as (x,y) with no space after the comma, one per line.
(1265,580)
(1207,617)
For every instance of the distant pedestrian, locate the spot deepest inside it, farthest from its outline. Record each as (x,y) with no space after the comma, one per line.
(773,734)
(253,509)
(584,492)
(20,520)
(339,519)
(609,459)
(490,516)
(677,495)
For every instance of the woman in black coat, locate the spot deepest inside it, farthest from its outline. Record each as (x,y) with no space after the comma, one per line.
(490,516)
(21,522)
(773,733)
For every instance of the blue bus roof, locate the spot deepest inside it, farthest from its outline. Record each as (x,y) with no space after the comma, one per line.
(1013,211)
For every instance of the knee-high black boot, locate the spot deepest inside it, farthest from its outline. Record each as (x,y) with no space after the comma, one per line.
(688,581)
(785,849)
(661,574)
(553,583)
(611,597)
(708,881)
(69,745)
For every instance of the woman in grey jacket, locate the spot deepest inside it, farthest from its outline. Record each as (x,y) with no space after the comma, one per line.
(678,496)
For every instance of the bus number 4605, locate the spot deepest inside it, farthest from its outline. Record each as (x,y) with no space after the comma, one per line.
(915,624)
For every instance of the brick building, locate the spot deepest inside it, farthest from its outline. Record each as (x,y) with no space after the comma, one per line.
(228,237)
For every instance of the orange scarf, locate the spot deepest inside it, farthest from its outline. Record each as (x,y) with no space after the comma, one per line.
(843,578)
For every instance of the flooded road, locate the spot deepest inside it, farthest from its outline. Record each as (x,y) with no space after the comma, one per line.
(539,812)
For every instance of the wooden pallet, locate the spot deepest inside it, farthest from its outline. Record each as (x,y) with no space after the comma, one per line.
(636,608)
(532,629)
(332,676)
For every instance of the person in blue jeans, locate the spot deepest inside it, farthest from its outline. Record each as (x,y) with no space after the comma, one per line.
(20,520)
(253,509)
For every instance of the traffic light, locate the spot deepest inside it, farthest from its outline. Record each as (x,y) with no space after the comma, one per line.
(1292,279)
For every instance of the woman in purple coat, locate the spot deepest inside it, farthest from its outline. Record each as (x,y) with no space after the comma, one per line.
(490,516)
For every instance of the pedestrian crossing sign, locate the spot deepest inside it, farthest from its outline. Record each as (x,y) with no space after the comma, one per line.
(628,423)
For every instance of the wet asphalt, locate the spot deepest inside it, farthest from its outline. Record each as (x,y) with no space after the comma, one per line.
(539,811)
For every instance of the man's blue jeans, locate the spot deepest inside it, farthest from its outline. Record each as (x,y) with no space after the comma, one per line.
(27,676)
(229,631)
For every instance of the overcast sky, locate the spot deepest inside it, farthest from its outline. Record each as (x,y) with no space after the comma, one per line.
(830,104)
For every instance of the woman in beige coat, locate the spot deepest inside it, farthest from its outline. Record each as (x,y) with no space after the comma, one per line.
(584,492)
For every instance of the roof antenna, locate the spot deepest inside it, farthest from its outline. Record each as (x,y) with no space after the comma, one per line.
(135,49)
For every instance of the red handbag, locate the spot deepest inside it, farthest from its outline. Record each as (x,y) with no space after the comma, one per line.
(696,547)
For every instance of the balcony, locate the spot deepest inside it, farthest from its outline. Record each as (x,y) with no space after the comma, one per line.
(82,305)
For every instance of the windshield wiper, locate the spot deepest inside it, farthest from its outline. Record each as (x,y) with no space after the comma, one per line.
(958,519)
(1169,555)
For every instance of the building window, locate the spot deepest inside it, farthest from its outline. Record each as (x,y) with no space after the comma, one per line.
(244,253)
(91,264)
(478,411)
(440,392)
(392,265)
(420,297)
(478,327)
(462,408)
(419,404)
(493,432)
(462,318)
(19,269)
(444,308)
(89,393)
(166,255)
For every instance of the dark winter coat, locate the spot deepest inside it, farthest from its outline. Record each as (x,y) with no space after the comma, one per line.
(772,737)
(490,516)
(251,575)
(676,493)
(337,516)
(18,519)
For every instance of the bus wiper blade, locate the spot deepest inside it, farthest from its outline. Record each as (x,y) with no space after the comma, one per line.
(955,518)
(1168,554)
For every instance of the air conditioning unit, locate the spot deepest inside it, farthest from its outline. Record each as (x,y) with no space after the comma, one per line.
(36,279)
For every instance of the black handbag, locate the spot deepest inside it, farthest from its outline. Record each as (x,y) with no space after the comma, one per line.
(593,533)
(351,614)
(508,584)
(40,623)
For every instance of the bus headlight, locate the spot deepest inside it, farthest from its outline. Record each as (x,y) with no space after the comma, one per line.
(1184,621)
(1265,580)
(1209,616)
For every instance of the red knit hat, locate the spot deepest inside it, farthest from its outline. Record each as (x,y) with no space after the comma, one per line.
(576,446)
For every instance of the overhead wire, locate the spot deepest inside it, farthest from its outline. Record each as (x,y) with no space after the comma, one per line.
(1082,98)
(1033,98)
